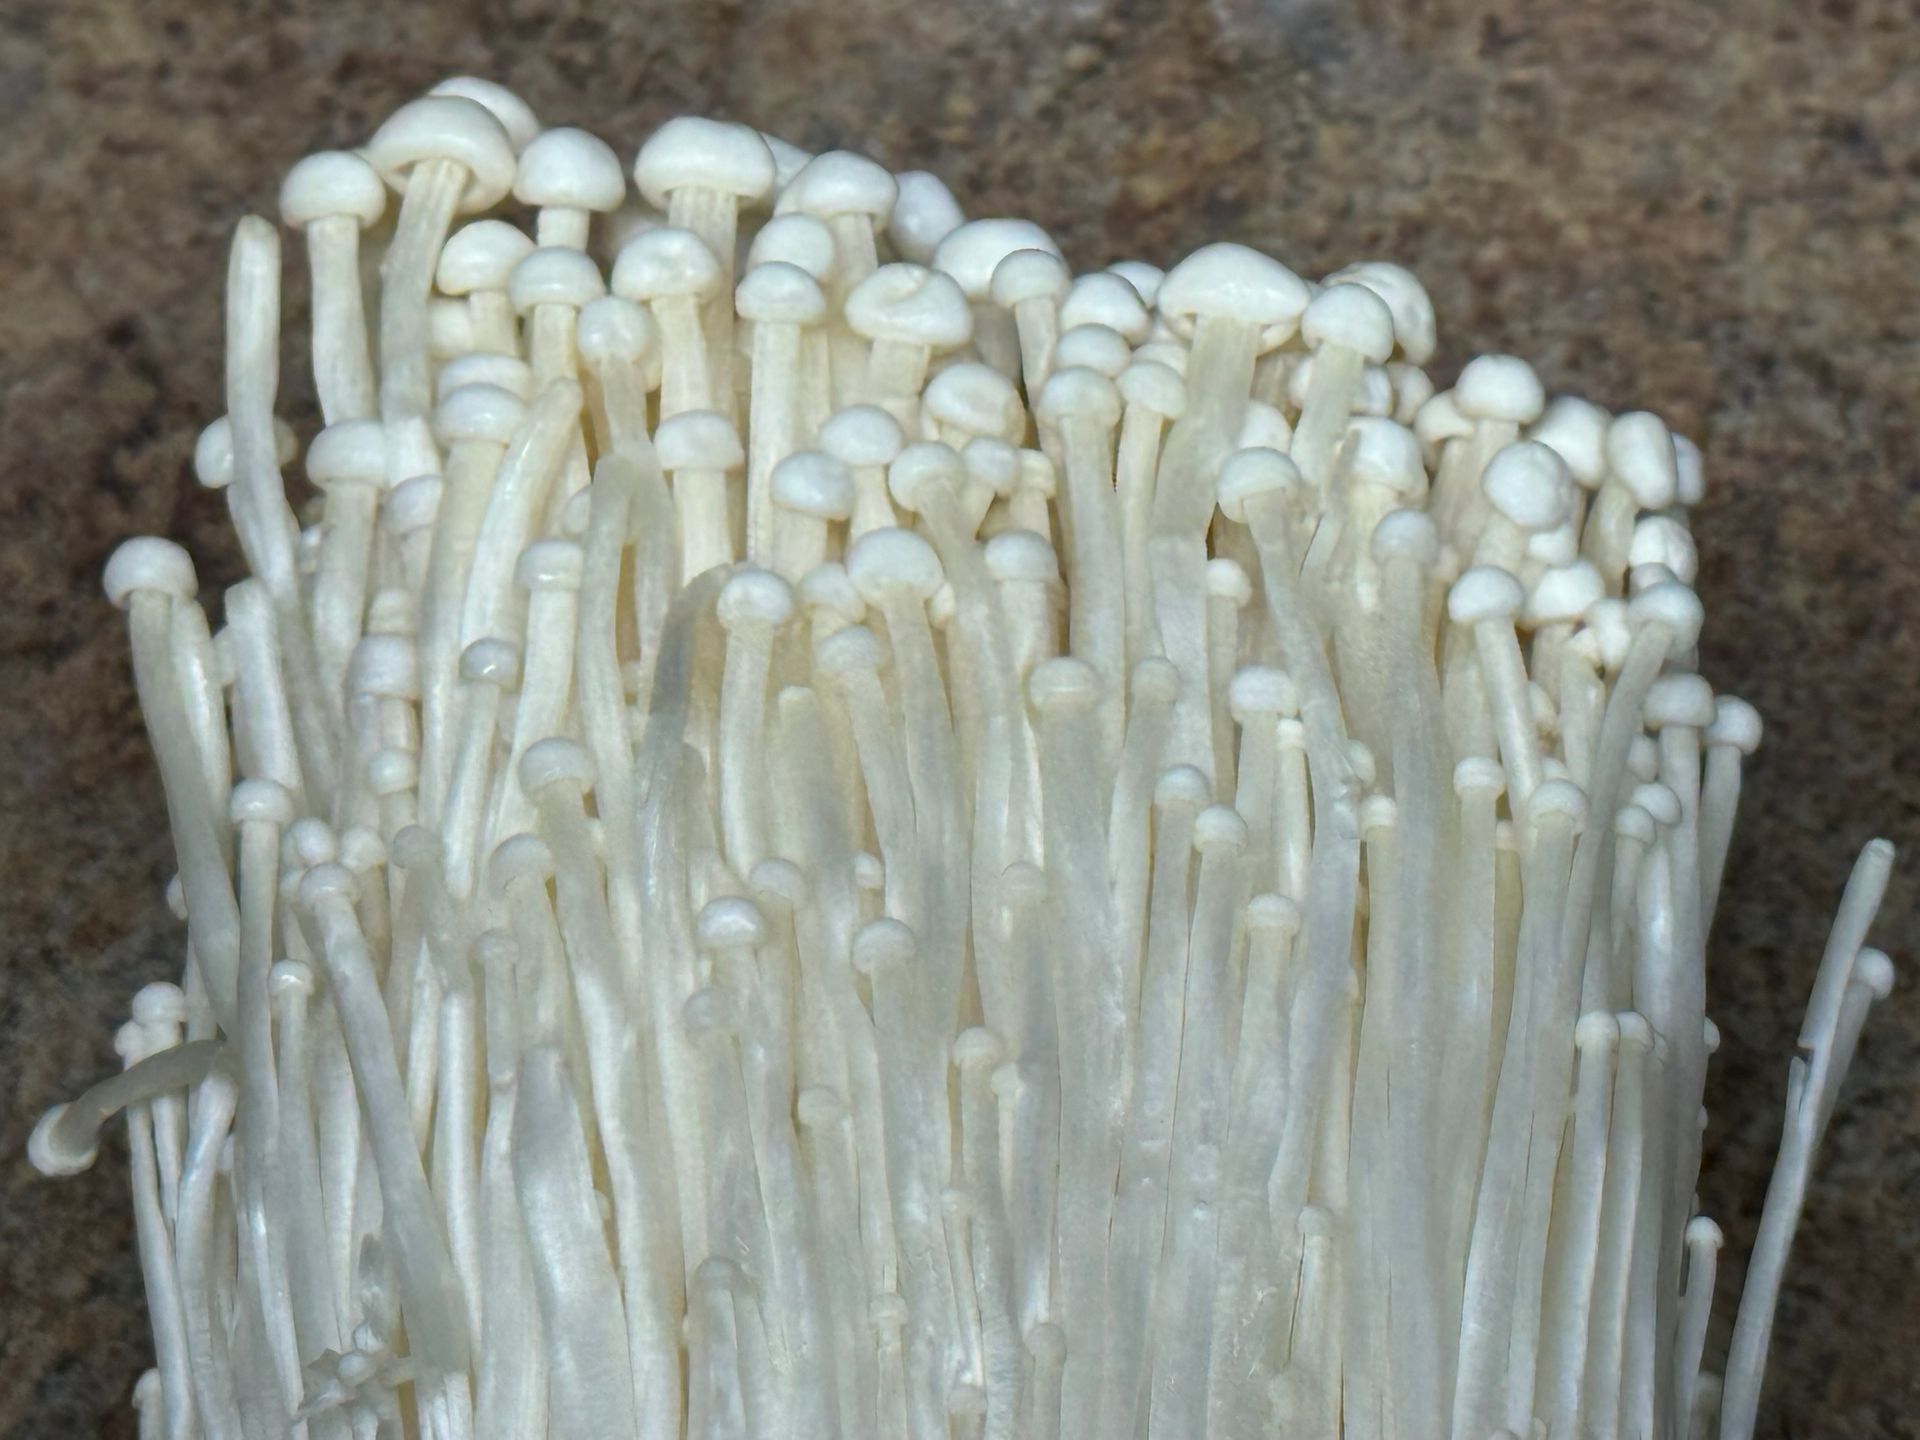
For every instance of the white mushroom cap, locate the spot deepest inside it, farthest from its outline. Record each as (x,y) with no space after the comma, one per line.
(971,253)
(1662,540)
(1499,387)
(779,293)
(1529,484)
(1025,275)
(840,182)
(349,450)
(1352,317)
(616,331)
(332,182)
(1577,431)
(516,117)
(555,275)
(912,304)
(1440,420)
(1485,592)
(485,367)
(925,464)
(788,159)
(569,167)
(1104,298)
(692,152)
(1250,472)
(148,562)
(885,562)
(975,398)
(862,435)
(1145,279)
(814,484)
(663,262)
(1094,347)
(802,240)
(1152,385)
(478,414)
(1077,393)
(1406,535)
(446,127)
(1690,474)
(1233,282)
(1735,723)
(1413,322)
(1564,594)
(1021,556)
(481,256)
(924,214)
(1641,456)
(1387,454)
(698,440)
(1265,426)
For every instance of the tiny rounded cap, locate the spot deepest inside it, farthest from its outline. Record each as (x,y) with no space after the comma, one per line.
(160,1003)
(788,159)
(729,922)
(1597,1030)
(555,761)
(1674,606)
(1485,592)
(1702,1233)
(662,263)
(524,856)
(1636,1031)
(329,183)
(555,275)
(695,153)
(1408,535)
(391,771)
(977,1047)
(1378,812)
(491,661)
(811,483)
(447,127)
(1406,298)
(483,367)
(1634,823)
(1499,387)
(713,1010)
(53,1154)
(1560,800)
(260,802)
(1690,472)
(880,944)
(1529,484)
(852,650)
(361,849)
(1104,298)
(1563,595)
(839,182)
(1349,317)
(1145,277)
(1262,690)
(973,251)
(567,167)
(1094,347)
(1065,681)
(1658,802)
(976,399)
(1479,775)
(890,561)
(481,256)
(478,415)
(1022,557)
(550,565)
(924,213)
(148,562)
(1735,723)
(862,435)
(1219,827)
(1233,282)
(753,598)
(1872,969)
(414,504)
(1273,912)
(1182,787)
(1024,275)
(803,241)
(1078,393)
(912,305)
(781,880)
(1386,453)
(1253,472)
(1154,387)
(326,882)
(826,587)
(613,331)
(698,439)
(776,293)
(1679,698)
(922,472)
(1227,580)
(1663,540)
(1576,431)
(415,847)
(348,450)
(1439,420)
(516,117)
(1641,456)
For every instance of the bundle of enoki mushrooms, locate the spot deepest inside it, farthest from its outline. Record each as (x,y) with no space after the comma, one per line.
(819,827)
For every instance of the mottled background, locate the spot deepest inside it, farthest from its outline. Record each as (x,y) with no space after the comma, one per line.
(1707,208)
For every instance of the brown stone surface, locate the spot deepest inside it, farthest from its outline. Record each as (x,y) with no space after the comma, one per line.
(1711,209)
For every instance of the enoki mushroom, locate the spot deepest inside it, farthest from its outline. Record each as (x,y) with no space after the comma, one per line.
(824,828)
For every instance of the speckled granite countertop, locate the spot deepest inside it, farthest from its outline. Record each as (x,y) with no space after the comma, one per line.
(1706,208)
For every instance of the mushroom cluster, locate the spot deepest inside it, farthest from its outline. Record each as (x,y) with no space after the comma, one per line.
(821,827)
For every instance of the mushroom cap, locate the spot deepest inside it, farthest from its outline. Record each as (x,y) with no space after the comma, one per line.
(1563,594)
(975,398)
(1439,420)
(348,450)
(550,564)
(1735,723)
(149,562)
(1673,605)
(616,331)
(788,159)
(1499,387)
(1146,279)
(971,253)
(919,466)
(1641,456)
(665,262)
(1022,557)
(1251,472)
(1386,453)
(1406,535)
(839,182)
(478,414)
(992,461)
(1262,690)
(385,665)
(1104,298)
(777,293)
(556,761)
(814,484)
(491,661)
(1227,580)
(483,367)
(568,167)
(1679,698)
(1663,540)
(516,117)
(1413,322)
(1529,484)
(446,127)
(1690,473)
(1154,387)
(693,152)
(481,256)
(862,435)
(1485,592)
(413,504)
(698,440)
(802,240)
(1352,317)
(332,182)
(555,275)
(1066,681)
(1181,787)
(1077,393)
(754,598)
(1031,274)
(1576,429)
(1266,426)
(1093,347)
(891,561)
(910,304)
(1229,281)
(924,213)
